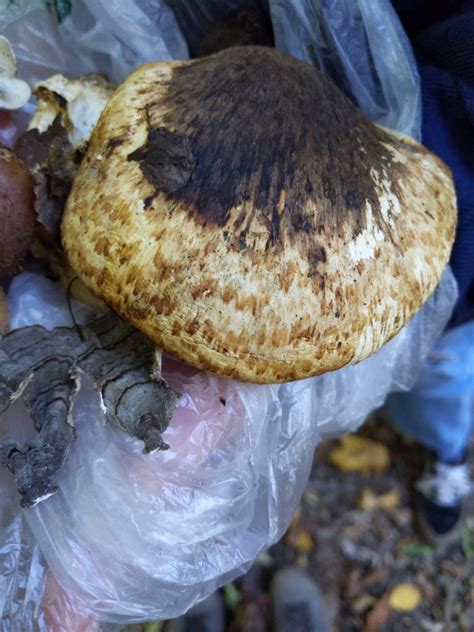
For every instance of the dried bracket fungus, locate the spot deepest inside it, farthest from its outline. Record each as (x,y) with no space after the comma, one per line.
(44,367)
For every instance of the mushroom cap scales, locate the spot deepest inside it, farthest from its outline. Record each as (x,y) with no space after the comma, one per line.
(241,212)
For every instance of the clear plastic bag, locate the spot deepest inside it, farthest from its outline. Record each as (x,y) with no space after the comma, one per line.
(131,537)
(111,37)
(360,44)
(135,537)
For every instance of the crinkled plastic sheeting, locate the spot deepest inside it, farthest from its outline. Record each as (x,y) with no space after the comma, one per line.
(136,537)
(131,537)
(89,36)
(360,44)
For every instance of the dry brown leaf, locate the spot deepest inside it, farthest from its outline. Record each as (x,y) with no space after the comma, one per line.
(358,454)
(368,500)
(378,615)
(4,320)
(405,597)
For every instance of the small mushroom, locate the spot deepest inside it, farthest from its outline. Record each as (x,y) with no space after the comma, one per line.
(14,93)
(17,215)
(241,212)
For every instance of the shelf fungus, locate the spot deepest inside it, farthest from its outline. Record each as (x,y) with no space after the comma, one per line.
(44,367)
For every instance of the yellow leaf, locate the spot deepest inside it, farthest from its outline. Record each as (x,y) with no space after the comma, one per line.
(404,597)
(360,455)
(297,536)
(369,500)
(299,539)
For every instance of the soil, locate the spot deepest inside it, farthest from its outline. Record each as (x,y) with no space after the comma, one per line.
(358,556)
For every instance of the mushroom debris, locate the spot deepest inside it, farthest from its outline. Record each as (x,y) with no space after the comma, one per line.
(44,367)
(57,136)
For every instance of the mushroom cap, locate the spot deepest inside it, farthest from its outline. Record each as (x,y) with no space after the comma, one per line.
(17,214)
(242,212)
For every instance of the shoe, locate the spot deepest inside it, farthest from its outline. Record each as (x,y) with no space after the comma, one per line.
(440,509)
(207,616)
(298,605)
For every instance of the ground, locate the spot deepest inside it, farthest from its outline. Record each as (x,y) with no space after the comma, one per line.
(359,552)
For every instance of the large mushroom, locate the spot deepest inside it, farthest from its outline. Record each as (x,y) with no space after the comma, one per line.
(242,213)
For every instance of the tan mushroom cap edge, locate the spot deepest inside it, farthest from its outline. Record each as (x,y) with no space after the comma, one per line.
(306,238)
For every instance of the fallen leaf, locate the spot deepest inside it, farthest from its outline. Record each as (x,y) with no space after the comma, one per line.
(378,615)
(368,500)
(416,549)
(358,454)
(299,539)
(405,597)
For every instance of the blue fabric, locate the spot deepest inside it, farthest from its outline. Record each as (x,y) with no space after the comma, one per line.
(439,411)
(442,36)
